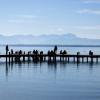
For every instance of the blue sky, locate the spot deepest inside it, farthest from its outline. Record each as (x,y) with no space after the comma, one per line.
(37,17)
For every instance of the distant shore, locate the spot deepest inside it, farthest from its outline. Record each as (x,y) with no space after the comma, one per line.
(47,45)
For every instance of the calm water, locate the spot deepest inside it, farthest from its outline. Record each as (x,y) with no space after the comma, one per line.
(43,81)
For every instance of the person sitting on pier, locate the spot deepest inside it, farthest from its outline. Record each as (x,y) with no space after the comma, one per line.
(61,52)
(52,53)
(48,52)
(41,56)
(12,51)
(64,52)
(20,52)
(36,52)
(90,53)
(41,52)
(33,51)
(7,49)
(78,53)
(29,52)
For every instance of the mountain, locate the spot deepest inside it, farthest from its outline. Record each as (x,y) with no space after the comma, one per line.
(66,39)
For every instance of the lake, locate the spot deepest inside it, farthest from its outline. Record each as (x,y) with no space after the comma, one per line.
(45,81)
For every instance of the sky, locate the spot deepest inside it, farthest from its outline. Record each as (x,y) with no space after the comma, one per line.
(37,17)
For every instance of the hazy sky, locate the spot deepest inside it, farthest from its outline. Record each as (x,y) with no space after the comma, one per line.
(80,17)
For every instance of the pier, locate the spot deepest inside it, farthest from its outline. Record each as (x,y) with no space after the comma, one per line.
(51,56)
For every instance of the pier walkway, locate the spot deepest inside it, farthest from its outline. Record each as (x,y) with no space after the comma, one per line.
(42,57)
(51,56)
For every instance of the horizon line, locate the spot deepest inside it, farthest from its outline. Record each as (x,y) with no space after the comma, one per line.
(50,45)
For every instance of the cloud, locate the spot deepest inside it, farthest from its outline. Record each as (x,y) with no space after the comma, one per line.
(20,21)
(28,16)
(90,1)
(88,11)
(96,27)
(60,30)
(23,19)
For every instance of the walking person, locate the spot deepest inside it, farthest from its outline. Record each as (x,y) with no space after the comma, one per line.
(7,49)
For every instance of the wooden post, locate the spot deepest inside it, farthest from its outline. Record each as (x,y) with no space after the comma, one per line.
(78,59)
(65,58)
(50,58)
(24,57)
(12,59)
(68,59)
(41,57)
(87,60)
(74,59)
(12,56)
(82,59)
(55,58)
(6,58)
(28,56)
(44,58)
(60,57)
(91,59)
(97,60)
(9,57)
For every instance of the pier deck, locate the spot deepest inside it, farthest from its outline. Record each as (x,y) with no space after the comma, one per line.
(39,57)
(46,55)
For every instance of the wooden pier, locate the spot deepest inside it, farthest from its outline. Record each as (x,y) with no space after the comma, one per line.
(51,58)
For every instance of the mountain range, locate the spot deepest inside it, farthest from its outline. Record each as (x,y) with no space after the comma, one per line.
(66,39)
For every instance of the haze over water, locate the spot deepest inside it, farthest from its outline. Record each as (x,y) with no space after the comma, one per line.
(45,81)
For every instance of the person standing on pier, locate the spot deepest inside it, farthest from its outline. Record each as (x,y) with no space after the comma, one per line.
(7,49)
(55,49)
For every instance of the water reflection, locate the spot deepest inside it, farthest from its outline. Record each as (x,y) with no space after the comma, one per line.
(49,79)
(51,66)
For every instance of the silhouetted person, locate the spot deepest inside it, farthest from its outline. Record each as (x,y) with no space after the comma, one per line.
(55,49)
(52,53)
(49,52)
(60,51)
(20,52)
(41,52)
(41,55)
(36,52)
(64,52)
(7,49)
(33,51)
(78,53)
(90,53)
(11,51)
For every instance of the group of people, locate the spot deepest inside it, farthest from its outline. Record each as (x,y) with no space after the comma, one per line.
(36,52)
(53,52)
